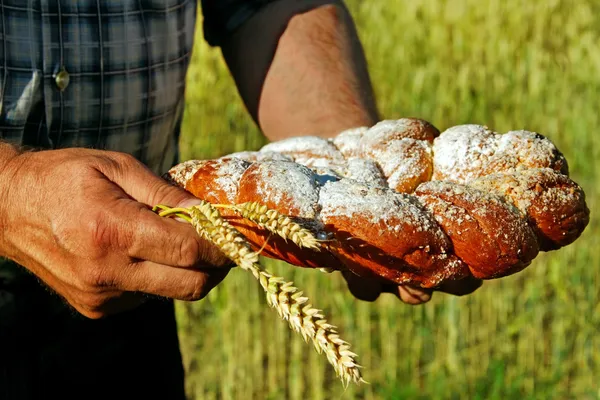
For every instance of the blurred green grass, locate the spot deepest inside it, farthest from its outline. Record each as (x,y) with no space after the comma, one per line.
(506,64)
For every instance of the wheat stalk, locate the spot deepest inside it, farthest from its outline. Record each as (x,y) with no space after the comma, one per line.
(283,296)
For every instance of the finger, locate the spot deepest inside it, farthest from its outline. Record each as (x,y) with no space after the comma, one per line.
(162,280)
(116,303)
(214,277)
(104,303)
(362,288)
(140,233)
(461,287)
(139,182)
(412,295)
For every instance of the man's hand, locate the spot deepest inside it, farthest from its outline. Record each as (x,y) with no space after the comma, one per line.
(370,289)
(81,221)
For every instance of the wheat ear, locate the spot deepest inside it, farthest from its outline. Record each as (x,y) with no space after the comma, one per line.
(283,296)
(275,222)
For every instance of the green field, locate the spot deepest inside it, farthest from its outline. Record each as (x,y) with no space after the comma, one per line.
(507,64)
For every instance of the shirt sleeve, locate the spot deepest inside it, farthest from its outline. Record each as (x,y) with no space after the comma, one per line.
(222,17)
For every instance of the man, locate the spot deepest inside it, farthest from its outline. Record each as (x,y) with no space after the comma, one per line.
(99,86)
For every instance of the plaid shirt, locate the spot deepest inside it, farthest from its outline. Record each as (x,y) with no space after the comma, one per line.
(106,74)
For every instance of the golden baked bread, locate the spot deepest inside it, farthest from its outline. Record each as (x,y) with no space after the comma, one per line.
(401,201)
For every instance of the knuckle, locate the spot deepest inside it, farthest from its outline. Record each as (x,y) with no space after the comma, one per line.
(106,159)
(116,163)
(92,305)
(96,315)
(119,158)
(103,236)
(160,191)
(91,314)
(105,233)
(188,252)
(98,232)
(94,281)
(210,254)
(197,288)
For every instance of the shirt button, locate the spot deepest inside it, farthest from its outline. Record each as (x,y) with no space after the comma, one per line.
(62,79)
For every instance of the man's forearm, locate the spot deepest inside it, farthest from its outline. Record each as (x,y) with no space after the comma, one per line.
(7,152)
(301,70)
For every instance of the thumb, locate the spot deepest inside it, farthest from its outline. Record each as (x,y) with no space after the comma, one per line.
(362,288)
(211,251)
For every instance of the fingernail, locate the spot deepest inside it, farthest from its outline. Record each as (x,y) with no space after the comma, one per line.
(187,203)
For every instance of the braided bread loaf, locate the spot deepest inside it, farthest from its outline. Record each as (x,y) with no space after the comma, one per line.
(401,202)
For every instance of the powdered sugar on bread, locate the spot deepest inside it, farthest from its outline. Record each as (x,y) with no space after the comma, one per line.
(348,141)
(466,152)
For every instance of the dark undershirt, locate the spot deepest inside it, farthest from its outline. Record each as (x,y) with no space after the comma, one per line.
(47,350)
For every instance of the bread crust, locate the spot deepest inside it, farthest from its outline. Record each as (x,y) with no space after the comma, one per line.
(553,204)
(402,202)
(487,233)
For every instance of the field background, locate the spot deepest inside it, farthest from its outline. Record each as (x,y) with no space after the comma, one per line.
(509,64)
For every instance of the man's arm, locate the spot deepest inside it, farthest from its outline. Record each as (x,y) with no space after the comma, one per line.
(301,70)
(7,152)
